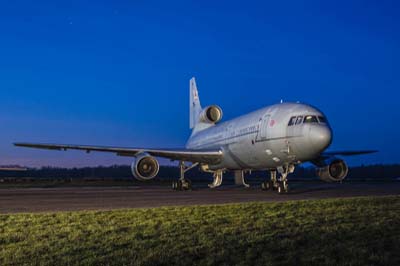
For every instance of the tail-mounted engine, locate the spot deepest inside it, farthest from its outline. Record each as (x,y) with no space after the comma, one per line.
(211,114)
(335,171)
(145,167)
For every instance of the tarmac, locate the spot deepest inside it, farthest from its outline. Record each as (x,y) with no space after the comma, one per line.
(28,200)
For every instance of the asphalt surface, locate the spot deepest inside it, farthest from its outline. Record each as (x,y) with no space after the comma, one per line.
(106,198)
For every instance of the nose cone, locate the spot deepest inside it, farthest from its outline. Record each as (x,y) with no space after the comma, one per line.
(320,137)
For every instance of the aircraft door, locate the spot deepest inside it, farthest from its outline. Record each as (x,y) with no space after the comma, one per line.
(263,128)
(290,131)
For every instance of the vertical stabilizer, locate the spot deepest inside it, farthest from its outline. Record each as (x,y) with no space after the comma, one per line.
(195,106)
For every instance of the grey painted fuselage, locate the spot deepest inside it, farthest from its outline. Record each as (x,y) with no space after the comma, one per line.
(263,139)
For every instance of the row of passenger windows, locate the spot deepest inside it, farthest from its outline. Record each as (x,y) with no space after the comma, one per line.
(297,120)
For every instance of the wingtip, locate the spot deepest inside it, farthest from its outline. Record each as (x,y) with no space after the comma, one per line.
(24,144)
(19,144)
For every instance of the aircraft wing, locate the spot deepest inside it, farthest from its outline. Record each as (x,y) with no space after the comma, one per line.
(320,161)
(347,153)
(199,156)
(13,169)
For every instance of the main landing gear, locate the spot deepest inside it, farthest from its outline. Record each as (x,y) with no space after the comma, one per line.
(183,183)
(281,185)
(240,180)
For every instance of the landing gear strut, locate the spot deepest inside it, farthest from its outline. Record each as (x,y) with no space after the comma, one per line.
(240,180)
(217,179)
(283,186)
(183,183)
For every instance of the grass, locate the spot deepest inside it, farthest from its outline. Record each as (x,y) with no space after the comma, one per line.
(360,231)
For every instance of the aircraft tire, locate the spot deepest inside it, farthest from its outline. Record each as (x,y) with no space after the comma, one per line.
(186,184)
(264,185)
(267,185)
(286,188)
(179,186)
(189,184)
(280,188)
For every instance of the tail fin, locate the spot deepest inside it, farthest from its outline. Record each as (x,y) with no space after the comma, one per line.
(195,106)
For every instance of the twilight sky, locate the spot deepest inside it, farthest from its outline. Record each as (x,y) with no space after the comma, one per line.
(117,72)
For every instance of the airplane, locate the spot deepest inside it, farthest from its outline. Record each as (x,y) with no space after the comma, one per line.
(276,139)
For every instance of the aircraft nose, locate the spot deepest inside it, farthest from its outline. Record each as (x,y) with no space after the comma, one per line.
(321,137)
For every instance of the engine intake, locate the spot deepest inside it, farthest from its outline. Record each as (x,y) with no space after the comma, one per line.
(335,171)
(145,167)
(211,114)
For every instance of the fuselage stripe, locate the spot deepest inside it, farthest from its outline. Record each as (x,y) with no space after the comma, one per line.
(226,139)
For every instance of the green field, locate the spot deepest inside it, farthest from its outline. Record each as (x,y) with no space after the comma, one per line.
(363,231)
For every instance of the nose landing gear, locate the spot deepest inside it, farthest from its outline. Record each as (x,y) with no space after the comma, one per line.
(281,185)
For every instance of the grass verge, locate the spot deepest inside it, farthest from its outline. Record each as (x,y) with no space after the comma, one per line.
(360,231)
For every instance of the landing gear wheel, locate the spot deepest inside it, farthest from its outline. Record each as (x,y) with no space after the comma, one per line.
(186,184)
(264,185)
(176,185)
(283,187)
(286,187)
(280,188)
(182,185)
(267,185)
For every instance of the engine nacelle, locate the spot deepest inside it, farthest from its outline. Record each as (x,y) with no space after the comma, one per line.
(145,167)
(211,114)
(335,171)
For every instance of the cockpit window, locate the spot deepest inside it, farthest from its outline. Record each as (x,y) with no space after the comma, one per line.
(299,120)
(292,121)
(322,119)
(310,119)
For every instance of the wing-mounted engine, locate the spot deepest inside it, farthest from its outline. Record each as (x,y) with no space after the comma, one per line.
(145,167)
(211,114)
(335,170)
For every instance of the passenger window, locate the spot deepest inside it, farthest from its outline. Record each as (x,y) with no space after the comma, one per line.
(292,121)
(322,119)
(310,119)
(299,120)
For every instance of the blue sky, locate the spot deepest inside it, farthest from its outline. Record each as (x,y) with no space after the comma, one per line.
(117,72)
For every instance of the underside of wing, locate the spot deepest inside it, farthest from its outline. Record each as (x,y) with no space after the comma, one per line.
(328,157)
(348,153)
(5,168)
(200,156)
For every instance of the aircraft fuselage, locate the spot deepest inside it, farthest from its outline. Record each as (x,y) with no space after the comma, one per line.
(264,139)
